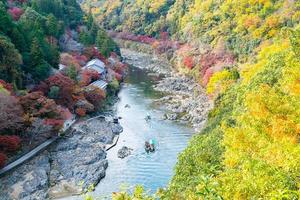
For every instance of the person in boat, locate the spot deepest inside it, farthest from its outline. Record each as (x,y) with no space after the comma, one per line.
(149,147)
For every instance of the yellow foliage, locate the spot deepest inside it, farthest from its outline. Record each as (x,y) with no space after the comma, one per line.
(219,82)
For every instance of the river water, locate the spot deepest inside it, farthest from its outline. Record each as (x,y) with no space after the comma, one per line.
(152,170)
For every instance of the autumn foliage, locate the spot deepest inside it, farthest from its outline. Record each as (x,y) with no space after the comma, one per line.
(15,12)
(189,62)
(40,106)
(66,87)
(3,159)
(9,143)
(7,86)
(95,96)
(88,76)
(80,112)
(11,113)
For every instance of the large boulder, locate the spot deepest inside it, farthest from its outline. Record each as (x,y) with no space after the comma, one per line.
(124,152)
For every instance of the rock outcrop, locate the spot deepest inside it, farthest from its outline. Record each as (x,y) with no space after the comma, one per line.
(71,165)
(186,100)
(124,152)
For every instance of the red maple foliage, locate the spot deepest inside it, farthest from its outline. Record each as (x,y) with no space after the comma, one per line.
(211,59)
(9,143)
(66,89)
(41,87)
(120,68)
(3,159)
(118,76)
(164,35)
(37,105)
(88,76)
(15,12)
(68,60)
(66,114)
(80,112)
(206,77)
(92,52)
(80,59)
(189,62)
(11,114)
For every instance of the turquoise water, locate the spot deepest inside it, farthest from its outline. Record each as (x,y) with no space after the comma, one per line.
(155,170)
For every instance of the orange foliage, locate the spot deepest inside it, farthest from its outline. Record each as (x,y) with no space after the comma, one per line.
(80,112)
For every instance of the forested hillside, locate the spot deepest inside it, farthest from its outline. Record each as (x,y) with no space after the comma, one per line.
(44,46)
(246,53)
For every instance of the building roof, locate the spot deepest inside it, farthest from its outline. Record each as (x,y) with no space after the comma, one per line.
(100,84)
(96,65)
(95,62)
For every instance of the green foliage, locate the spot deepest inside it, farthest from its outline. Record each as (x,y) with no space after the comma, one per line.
(10,60)
(71,72)
(53,92)
(51,24)
(105,44)
(113,87)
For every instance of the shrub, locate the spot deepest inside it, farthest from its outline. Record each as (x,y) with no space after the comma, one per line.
(66,88)
(80,112)
(16,13)
(189,62)
(9,143)
(3,159)
(95,96)
(7,86)
(11,113)
(37,105)
(89,76)
(54,92)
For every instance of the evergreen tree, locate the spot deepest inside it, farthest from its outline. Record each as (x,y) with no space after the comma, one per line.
(39,68)
(6,23)
(102,42)
(36,53)
(10,60)
(52,25)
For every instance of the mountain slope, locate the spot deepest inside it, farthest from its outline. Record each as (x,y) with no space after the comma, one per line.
(247,55)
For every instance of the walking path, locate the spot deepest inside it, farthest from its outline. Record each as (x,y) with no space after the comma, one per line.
(27,156)
(34,152)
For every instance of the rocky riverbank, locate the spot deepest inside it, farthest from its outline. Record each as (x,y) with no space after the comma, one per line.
(186,100)
(67,168)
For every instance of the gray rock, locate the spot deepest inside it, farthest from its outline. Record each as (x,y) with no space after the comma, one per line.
(117,129)
(28,182)
(124,152)
(80,158)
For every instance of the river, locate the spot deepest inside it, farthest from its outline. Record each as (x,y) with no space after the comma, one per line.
(152,170)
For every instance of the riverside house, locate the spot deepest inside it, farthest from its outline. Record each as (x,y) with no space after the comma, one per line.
(98,66)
